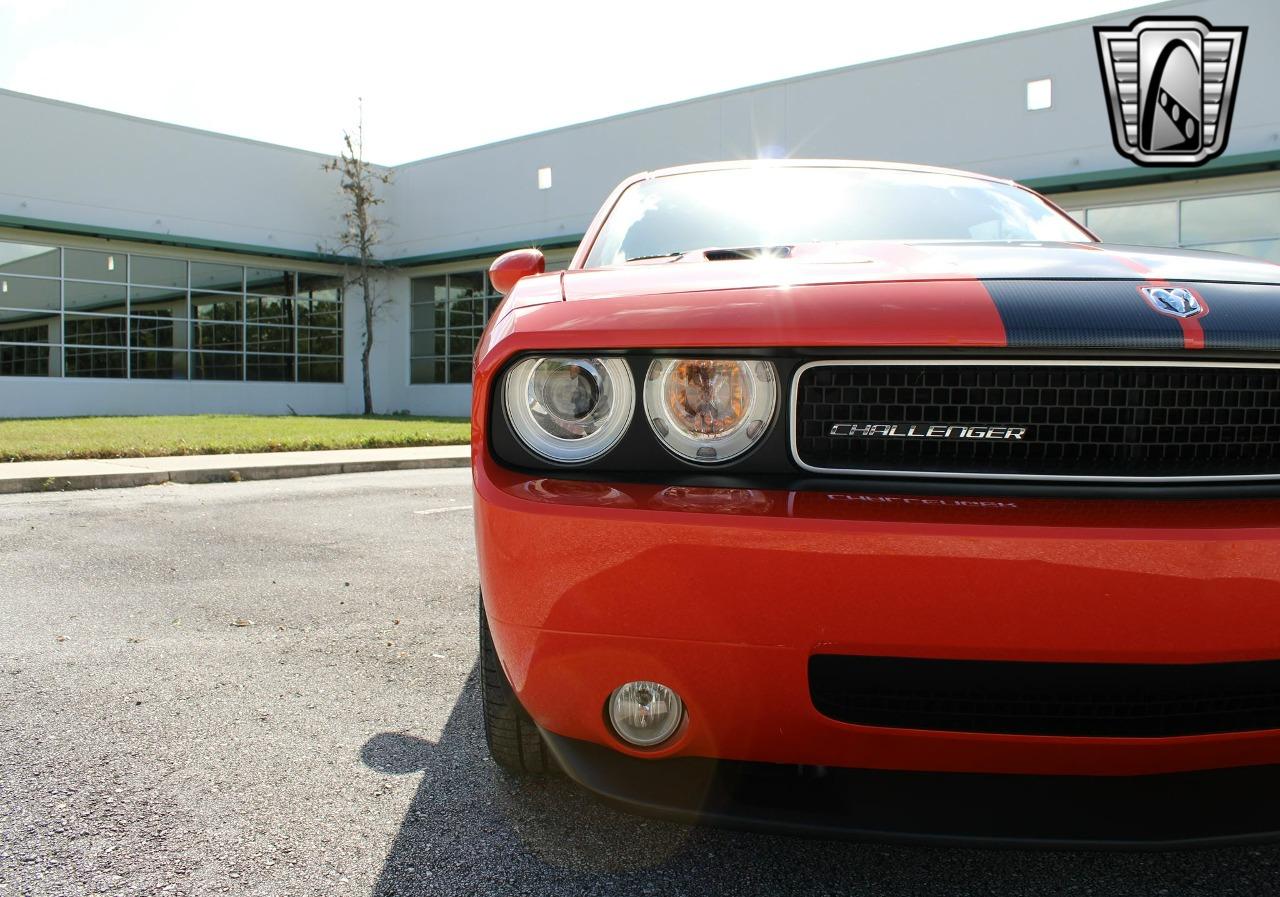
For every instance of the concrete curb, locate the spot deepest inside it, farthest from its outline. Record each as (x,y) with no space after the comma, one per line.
(234,469)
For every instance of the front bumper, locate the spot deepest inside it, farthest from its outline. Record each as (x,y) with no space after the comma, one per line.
(725,594)
(1207,808)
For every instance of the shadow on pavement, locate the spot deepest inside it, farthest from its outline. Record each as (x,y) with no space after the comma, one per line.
(471,829)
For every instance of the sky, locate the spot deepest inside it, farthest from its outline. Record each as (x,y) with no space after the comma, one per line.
(436,77)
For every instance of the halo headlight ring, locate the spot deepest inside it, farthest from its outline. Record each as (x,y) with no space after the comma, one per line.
(569,409)
(710,410)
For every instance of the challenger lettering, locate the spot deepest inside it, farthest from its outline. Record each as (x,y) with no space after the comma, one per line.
(925,431)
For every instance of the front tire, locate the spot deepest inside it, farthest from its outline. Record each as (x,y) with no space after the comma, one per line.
(514,741)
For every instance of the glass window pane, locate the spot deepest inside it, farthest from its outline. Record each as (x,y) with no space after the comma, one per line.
(319,342)
(208,276)
(464,342)
(29,330)
(319,313)
(87,362)
(30,327)
(427,290)
(269,367)
(27,292)
(319,370)
(24,361)
(215,307)
(150,364)
(320,286)
(271,281)
(1229,219)
(493,304)
(423,317)
(93,330)
(157,333)
(1150,224)
(427,342)
(214,335)
(426,370)
(107,298)
(24,258)
(158,303)
(466,313)
(466,284)
(1263,249)
(216,366)
(89,264)
(158,272)
(268,339)
(459,370)
(269,309)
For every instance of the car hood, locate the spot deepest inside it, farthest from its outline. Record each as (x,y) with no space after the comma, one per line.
(878,262)
(998,296)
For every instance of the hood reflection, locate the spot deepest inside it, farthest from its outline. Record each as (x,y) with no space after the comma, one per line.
(576,492)
(724,501)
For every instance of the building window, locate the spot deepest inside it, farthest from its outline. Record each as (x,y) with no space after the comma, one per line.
(26,354)
(1148,224)
(544,178)
(447,314)
(1039,94)
(1241,223)
(92,313)
(1246,223)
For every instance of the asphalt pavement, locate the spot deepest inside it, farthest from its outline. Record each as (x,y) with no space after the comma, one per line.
(269,688)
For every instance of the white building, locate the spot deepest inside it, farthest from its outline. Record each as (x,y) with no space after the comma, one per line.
(150,268)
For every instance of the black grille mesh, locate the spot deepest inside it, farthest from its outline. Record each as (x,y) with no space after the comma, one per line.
(1023,698)
(1081,420)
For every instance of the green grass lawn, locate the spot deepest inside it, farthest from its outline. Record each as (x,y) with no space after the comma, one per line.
(54,438)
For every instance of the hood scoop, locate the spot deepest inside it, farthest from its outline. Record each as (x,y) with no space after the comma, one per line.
(747,253)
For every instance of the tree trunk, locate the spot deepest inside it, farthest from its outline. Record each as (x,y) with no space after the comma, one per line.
(367,297)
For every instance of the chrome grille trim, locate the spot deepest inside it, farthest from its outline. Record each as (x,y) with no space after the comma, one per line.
(1024,362)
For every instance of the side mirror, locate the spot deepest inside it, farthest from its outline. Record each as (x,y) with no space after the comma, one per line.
(511,266)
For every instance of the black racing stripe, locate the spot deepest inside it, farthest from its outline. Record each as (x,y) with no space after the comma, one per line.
(1240,316)
(1081,314)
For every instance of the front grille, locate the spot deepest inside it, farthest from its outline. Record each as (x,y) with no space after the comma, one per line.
(1079,421)
(1025,698)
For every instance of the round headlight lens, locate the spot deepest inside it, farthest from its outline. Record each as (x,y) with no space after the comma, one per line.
(569,409)
(710,409)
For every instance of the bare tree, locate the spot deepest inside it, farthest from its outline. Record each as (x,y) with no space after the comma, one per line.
(358,241)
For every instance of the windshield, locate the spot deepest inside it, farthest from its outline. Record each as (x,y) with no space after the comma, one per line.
(780,206)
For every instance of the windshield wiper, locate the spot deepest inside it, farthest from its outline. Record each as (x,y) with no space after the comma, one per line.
(661,255)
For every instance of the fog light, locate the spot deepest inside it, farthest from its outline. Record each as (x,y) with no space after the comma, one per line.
(645,713)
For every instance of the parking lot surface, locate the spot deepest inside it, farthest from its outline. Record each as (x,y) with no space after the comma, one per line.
(268,688)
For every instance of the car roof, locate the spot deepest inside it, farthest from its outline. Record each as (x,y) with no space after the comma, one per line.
(812,163)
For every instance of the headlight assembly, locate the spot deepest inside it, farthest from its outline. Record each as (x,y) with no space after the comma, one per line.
(569,410)
(710,409)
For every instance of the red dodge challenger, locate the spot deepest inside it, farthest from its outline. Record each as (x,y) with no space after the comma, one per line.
(883,501)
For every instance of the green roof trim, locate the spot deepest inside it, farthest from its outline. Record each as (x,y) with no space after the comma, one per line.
(461,255)
(1245,163)
(137,236)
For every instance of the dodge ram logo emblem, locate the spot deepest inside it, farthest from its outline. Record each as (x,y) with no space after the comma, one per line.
(1170,85)
(1174,301)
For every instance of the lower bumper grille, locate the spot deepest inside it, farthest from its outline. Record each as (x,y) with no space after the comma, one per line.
(1027,420)
(1026,698)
